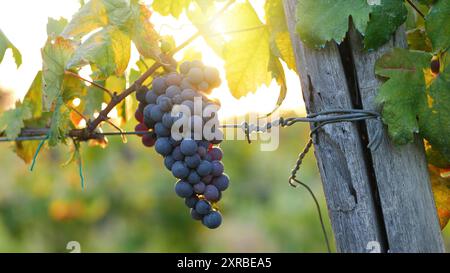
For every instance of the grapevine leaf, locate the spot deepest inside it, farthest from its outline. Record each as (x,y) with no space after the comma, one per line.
(384,21)
(170,7)
(90,17)
(280,39)
(72,88)
(55,54)
(418,40)
(437,24)
(277,70)
(56,27)
(436,158)
(414,99)
(26,150)
(320,21)
(403,93)
(142,32)
(4,45)
(34,95)
(12,121)
(441,192)
(434,118)
(246,54)
(108,50)
(60,123)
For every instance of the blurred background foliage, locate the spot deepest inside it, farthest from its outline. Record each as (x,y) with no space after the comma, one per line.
(128,203)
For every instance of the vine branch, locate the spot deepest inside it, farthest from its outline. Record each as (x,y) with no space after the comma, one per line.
(415,8)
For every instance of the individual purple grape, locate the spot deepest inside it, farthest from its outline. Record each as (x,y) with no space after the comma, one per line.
(177,99)
(149,122)
(217,168)
(156,113)
(203,207)
(168,162)
(161,130)
(148,140)
(141,93)
(212,220)
(151,97)
(162,146)
(199,187)
(172,91)
(192,161)
(139,116)
(188,94)
(191,201)
(167,120)
(202,152)
(159,85)
(195,215)
(179,170)
(204,168)
(211,193)
(216,153)
(221,182)
(173,79)
(184,67)
(193,177)
(183,189)
(141,127)
(165,103)
(186,84)
(177,154)
(188,147)
(207,179)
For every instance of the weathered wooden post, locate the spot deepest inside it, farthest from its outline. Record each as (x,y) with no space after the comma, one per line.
(384,195)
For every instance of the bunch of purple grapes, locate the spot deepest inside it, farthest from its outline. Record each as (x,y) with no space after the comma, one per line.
(195,161)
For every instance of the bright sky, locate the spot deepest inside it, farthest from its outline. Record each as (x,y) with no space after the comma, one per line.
(24,23)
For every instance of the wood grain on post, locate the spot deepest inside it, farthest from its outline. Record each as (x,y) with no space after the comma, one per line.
(382,196)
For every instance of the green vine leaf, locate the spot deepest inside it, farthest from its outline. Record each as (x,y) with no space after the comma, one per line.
(60,123)
(55,56)
(4,45)
(12,121)
(142,32)
(320,21)
(109,50)
(384,21)
(437,24)
(56,27)
(414,99)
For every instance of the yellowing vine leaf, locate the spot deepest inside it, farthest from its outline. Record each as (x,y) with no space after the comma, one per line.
(91,16)
(108,49)
(280,38)
(55,55)
(4,45)
(441,191)
(246,54)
